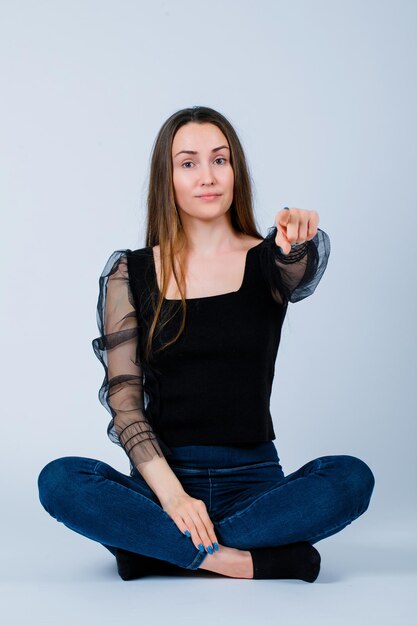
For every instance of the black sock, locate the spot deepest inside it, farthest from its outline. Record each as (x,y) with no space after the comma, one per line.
(293,560)
(131,565)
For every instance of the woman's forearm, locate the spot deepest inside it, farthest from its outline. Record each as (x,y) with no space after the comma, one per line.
(160,478)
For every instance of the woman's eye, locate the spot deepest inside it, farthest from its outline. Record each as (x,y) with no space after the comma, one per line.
(187,162)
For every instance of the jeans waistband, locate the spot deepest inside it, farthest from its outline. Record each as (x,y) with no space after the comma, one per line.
(203,456)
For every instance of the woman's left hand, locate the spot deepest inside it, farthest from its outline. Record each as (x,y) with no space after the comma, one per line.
(295,226)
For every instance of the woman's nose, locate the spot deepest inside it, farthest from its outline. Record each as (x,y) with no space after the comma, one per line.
(207,175)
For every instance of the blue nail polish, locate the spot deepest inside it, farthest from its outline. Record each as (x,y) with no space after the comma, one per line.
(187,533)
(215,546)
(209,549)
(201,547)
(282,251)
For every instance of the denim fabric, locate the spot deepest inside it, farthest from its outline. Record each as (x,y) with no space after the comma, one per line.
(249,500)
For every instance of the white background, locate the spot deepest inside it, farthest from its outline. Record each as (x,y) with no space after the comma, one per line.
(323,97)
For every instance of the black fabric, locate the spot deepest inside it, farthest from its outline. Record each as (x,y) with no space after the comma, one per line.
(298,560)
(121,392)
(213,385)
(131,566)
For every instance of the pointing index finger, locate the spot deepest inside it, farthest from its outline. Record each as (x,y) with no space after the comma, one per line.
(284,216)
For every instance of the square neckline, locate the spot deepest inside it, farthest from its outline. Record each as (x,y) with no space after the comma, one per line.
(218,295)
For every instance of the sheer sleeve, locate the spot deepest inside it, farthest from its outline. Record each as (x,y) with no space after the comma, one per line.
(121,392)
(296,275)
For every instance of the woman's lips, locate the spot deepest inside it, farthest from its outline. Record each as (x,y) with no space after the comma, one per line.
(210,196)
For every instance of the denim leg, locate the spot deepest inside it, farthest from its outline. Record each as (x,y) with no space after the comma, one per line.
(314,502)
(95,500)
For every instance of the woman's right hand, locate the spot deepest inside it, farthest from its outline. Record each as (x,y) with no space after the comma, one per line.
(191,514)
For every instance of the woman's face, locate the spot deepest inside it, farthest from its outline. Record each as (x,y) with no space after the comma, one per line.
(201,165)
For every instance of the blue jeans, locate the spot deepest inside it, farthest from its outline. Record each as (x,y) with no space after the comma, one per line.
(249,500)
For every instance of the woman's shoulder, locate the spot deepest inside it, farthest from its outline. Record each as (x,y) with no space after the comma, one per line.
(128,255)
(141,251)
(139,260)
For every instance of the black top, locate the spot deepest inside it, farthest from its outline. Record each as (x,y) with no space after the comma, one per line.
(213,385)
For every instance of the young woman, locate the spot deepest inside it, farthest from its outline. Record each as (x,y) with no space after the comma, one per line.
(190,327)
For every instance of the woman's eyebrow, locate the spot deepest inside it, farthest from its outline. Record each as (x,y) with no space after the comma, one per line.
(194,151)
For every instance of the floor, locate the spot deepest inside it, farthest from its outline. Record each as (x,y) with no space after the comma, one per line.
(54,576)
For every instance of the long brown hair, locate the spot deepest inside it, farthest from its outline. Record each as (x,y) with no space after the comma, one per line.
(163,223)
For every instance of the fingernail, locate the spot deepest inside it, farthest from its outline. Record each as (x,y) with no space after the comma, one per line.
(215,546)
(282,251)
(187,533)
(209,549)
(201,547)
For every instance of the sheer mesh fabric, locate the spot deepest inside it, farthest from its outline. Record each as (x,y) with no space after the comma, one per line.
(121,392)
(296,275)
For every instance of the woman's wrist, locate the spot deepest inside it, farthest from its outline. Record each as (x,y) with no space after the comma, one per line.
(297,252)
(161,478)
